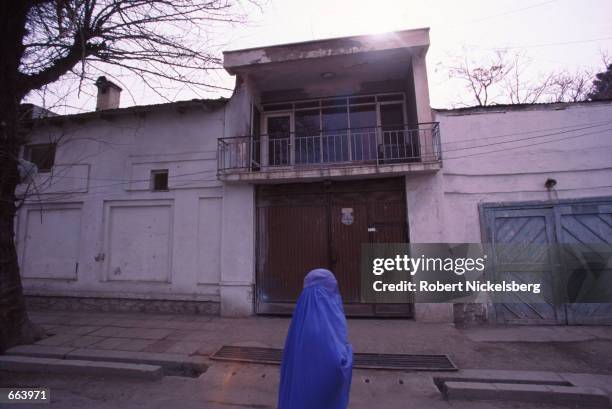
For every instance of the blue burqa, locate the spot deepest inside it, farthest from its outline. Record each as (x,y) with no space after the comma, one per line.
(317,359)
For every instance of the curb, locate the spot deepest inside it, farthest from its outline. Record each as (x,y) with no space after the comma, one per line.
(79,367)
(172,364)
(567,395)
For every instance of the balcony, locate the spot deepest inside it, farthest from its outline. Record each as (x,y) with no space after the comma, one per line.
(342,153)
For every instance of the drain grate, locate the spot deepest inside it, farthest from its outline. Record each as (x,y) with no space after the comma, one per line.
(360,360)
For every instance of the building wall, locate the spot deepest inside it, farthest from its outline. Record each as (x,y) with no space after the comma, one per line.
(497,156)
(93,227)
(507,154)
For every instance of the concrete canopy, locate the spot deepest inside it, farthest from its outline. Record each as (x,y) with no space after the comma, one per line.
(339,66)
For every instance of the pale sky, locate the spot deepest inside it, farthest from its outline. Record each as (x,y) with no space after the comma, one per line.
(553,34)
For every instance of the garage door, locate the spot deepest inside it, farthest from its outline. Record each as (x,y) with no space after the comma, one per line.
(578,222)
(308,225)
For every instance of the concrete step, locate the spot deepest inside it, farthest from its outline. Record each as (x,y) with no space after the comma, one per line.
(552,394)
(79,367)
(172,364)
(502,376)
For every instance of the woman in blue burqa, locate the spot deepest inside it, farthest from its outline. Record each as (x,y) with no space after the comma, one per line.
(318,359)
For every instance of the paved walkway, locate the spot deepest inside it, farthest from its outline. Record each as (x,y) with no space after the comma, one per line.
(564,349)
(579,354)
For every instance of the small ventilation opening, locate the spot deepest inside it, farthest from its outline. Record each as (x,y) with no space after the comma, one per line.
(159,180)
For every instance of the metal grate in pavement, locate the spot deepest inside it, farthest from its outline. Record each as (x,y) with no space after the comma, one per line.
(360,360)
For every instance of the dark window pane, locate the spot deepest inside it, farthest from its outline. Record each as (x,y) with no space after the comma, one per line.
(334,119)
(279,130)
(307,136)
(335,135)
(393,97)
(159,180)
(392,116)
(42,155)
(279,126)
(399,144)
(278,107)
(363,116)
(307,104)
(307,123)
(363,132)
(334,102)
(362,100)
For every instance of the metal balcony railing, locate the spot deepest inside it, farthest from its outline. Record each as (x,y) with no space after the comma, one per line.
(348,147)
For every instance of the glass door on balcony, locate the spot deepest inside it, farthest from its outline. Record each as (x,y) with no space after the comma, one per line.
(278,130)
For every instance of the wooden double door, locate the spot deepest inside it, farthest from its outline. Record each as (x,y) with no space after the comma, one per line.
(324,224)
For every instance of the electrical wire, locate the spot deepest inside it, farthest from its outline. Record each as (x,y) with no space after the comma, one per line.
(525,132)
(524,139)
(528,145)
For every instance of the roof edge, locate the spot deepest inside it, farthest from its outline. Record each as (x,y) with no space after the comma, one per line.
(306,42)
(556,106)
(209,104)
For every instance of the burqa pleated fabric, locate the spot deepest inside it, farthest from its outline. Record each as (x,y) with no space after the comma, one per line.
(318,359)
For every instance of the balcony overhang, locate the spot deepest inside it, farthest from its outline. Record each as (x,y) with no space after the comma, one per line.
(415,41)
(349,61)
(335,173)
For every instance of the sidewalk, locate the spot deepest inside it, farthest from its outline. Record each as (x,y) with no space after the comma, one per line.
(579,355)
(560,348)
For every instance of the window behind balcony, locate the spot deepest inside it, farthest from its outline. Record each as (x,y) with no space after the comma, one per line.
(335,130)
(363,132)
(307,136)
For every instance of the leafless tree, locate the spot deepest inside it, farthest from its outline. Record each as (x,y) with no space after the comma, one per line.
(505,79)
(570,87)
(481,79)
(43,41)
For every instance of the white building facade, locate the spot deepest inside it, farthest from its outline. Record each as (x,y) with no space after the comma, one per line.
(222,206)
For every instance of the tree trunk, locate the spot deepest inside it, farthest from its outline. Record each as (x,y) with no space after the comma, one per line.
(15,327)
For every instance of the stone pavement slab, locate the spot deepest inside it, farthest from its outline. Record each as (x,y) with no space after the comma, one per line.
(83,341)
(57,340)
(501,376)
(109,343)
(78,367)
(174,363)
(40,351)
(567,395)
(107,331)
(557,349)
(73,329)
(131,344)
(536,334)
(143,333)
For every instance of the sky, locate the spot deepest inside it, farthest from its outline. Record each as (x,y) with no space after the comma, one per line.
(552,35)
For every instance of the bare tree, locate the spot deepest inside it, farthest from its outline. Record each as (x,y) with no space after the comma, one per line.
(570,87)
(505,79)
(43,41)
(481,79)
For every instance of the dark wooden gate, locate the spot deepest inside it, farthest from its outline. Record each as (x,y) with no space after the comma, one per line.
(309,225)
(577,222)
